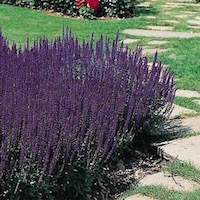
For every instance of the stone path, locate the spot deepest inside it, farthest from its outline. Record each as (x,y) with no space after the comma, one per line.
(194,27)
(155,42)
(176,183)
(187,149)
(197,101)
(145,4)
(181,16)
(153,51)
(129,41)
(160,28)
(162,34)
(138,197)
(179,111)
(197,18)
(194,22)
(150,17)
(192,123)
(187,93)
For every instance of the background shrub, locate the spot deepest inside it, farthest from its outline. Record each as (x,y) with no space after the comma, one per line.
(112,8)
(64,108)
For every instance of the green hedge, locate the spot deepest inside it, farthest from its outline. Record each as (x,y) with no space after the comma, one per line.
(111,8)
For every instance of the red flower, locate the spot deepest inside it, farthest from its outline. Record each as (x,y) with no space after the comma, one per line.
(94,4)
(79,3)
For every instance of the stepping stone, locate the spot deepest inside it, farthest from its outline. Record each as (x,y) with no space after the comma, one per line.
(172,5)
(194,22)
(176,183)
(178,111)
(197,18)
(185,149)
(153,51)
(183,126)
(128,41)
(187,93)
(150,17)
(190,12)
(144,4)
(181,16)
(138,197)
(194,27)
(185,1)
(163,34)
(191,4)
(160,28)
(182,4)
(156,42)
(191,123)
(197,101)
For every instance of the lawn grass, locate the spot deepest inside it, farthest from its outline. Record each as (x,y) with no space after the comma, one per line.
(186,170)
(18,23)
(188,103)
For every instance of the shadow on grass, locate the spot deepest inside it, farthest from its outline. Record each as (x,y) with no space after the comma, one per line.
(146,11)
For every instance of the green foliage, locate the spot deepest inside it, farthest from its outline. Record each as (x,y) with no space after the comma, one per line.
(118,8)
(86,12)
(73,183)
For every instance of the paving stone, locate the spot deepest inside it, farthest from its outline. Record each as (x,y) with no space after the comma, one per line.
(150,17)
(194,27)
(163,34)
(171,21)
(172,5)
(191,123)
(153,51)
(185,1)
(197,18)
(194,22)
(157,42)
(180,184)
(186,149)
(179,4)
(187,93)
(160,28)
(138,197)
(197,101)
(128,41)
(178,111)
(182,126)
(145,4)
(181,16)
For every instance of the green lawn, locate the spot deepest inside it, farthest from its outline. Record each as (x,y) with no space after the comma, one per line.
(19,23)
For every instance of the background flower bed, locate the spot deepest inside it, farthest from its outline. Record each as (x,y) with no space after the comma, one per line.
(111,8)
(65,107)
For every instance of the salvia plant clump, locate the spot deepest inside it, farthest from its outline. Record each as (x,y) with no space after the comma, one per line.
(65,100)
